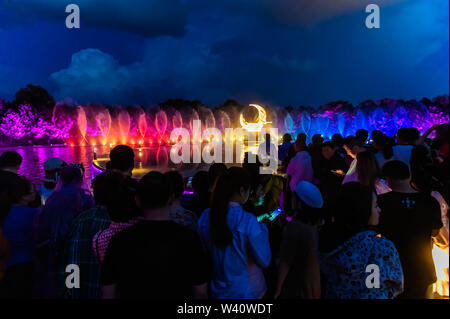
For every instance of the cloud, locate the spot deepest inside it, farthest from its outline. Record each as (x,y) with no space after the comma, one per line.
(151,18)
(172,69)
(246,58)
(148,18)
(176,68)
(308,12)
(93,73)
(293,12)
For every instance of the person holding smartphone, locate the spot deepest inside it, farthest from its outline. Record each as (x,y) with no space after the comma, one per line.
(298,266)
(238,245)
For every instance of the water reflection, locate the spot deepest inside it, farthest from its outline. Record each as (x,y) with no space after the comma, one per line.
(146,159)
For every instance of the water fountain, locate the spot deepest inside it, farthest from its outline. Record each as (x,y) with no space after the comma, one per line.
(96,125)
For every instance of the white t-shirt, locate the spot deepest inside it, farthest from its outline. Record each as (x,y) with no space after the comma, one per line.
(402,153)
(381,160)
(45,193)
(267,151)
(351,175)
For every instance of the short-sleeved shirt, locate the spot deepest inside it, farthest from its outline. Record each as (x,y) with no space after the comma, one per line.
(79,252)
(300,168)
(155,260)
(18,230)
(344,269)
(101,240)
(407,219)
(237,269)
(402,153)
(267,151)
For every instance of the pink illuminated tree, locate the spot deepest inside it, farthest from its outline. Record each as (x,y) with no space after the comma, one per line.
(18,124)
(24,123)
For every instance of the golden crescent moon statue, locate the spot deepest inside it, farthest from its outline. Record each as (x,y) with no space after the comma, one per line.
(260,121)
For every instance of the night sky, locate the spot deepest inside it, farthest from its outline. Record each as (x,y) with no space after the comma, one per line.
(292,52)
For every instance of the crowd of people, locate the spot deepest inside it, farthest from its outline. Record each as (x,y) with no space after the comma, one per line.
(359,217)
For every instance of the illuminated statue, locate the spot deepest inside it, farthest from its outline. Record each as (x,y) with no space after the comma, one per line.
(260,121)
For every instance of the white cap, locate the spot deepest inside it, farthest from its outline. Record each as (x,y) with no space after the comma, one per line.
(309,193)
(53,164)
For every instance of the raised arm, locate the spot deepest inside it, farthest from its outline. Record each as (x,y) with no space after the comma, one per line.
(422,138)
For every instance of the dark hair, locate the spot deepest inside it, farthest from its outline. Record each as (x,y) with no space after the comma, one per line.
(227,185)
(354,206)
(111,191)
(375,133)
(307,214)
(100,187)
(215,171)
(385,144)
(291,152)
(200,182)
(267,137)
(122,158)
(338,139)
(253,171)
(317,139)
(105,183)
(287,137)
(300,143)
(17,187)
(362,135)
(420,156)
(177,183)
(10,159)
(403,134)
(367,168)
(71,174)
(20,187)
(329,144)
(396,170)
(154,190)
(351,215)
(414,135)
(351,141)
(301,137)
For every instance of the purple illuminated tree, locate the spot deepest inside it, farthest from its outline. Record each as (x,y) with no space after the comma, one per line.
(24,123)
(18,124)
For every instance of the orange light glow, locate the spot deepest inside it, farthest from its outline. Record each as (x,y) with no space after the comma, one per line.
(441,264)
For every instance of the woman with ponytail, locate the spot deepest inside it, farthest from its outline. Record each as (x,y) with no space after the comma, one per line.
(237,243)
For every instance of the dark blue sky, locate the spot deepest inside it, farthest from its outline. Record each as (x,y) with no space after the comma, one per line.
(293,52)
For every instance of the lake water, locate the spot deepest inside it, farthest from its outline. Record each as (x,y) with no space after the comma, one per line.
(146,159)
